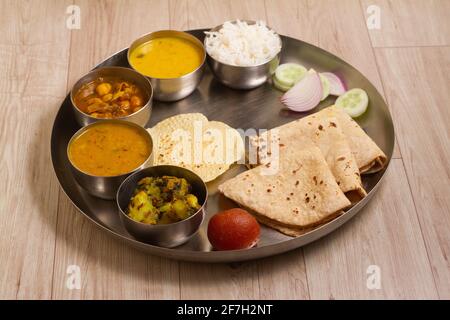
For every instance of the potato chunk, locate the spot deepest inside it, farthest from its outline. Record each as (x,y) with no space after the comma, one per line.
(141,209)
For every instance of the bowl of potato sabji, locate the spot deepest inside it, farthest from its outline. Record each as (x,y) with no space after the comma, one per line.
(162,205)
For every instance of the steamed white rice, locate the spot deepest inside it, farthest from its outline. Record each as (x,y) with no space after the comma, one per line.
(241,44)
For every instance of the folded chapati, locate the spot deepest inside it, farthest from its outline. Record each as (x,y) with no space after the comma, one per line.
(326,134)
(292,231)
(301,193)
(320,160)
(369,157)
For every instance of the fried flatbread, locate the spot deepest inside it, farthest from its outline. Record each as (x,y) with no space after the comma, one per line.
(189,140)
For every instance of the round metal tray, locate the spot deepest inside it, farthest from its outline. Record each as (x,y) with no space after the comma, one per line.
(257,108)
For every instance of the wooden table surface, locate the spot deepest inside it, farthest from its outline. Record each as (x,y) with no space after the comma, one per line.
(404,232)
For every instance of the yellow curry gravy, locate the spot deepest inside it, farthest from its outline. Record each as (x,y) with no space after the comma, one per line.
(109,149)
(167,57)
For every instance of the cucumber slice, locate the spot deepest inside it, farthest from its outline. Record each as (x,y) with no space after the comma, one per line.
(289,74)
(354,102)
(325,84)
(280,86)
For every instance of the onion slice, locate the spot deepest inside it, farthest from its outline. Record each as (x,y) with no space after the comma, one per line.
(305,95)
(337,86)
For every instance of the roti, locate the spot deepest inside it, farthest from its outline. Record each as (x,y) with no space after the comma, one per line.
(293,231)
(326,134)
(369,157)
(301,193)
(189,140)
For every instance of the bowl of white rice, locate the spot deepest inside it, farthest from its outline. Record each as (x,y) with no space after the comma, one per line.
(242,54)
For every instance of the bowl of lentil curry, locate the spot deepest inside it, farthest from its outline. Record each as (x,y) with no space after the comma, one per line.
(103,154)
(172,60)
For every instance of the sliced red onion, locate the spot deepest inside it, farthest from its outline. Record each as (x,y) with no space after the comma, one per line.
(337,86)
(305,95)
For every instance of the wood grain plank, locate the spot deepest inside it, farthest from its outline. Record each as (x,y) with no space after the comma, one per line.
(179,14)
(385,234)
(248,10)
(206,281)
(283,277)
(208,13)
(219,281)
(346,38)
(109,269)
(410,23)
(417,82)
(293,18)
(34,64)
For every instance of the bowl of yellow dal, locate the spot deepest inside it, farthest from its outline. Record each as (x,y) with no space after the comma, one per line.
(172,60)
(103,154)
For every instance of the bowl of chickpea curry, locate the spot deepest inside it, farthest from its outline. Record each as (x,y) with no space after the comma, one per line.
(112,93)
(162,205)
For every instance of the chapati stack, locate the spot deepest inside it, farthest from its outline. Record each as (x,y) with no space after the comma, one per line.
(316,172)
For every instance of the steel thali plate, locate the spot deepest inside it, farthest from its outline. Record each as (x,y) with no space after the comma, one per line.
(257,108)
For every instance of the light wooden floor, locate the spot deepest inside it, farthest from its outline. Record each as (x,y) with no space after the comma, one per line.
(405,230)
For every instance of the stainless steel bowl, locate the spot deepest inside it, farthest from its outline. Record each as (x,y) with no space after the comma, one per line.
(101,186)
(241,77)
(172,89)
(164,235)
(140,117)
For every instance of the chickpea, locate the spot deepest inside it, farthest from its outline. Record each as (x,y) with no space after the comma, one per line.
(120,113)
(103,88)
(135,101)
(125,104)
